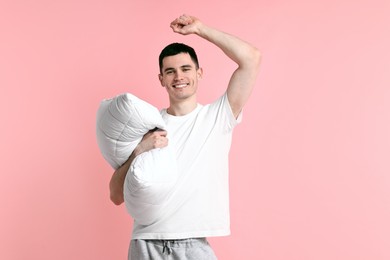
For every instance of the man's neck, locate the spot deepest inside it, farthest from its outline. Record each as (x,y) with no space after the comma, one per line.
(181,109)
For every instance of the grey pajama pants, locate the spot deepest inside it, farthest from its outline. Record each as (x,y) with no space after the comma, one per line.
(181,249)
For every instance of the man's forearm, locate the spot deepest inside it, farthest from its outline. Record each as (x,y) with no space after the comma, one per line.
(117,181)
(236,49)
(152,139)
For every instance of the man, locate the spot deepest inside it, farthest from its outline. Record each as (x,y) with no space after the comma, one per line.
(200,135)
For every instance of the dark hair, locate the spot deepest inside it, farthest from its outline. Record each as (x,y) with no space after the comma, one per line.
(176,48)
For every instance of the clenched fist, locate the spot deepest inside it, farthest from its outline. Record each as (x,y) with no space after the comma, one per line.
(186,24)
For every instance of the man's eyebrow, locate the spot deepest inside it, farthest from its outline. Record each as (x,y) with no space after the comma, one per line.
(182,67)
(165,70)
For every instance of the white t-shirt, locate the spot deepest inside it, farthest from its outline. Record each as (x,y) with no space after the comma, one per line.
(198,205)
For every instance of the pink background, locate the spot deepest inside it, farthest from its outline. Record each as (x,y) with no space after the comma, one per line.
(310,164)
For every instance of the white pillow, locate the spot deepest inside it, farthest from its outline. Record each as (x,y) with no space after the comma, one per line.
(149,183)
(121,123)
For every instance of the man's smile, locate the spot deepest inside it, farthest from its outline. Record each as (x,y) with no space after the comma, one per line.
(181,85)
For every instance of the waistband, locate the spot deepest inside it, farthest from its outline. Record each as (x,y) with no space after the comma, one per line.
(168,244)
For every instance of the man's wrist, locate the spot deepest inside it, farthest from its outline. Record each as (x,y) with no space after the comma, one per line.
(137,151)
(202,31)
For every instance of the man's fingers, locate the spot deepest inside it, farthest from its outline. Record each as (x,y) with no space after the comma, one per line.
(178,24)
(182,20)
(159,138)
(163,142)
(161,132)
(160,142)
(185,19)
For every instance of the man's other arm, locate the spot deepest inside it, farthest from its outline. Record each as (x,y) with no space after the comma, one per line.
(151,140)
(246,56)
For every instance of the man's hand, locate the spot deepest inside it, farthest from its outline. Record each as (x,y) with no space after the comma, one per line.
(186,24)
(151,140)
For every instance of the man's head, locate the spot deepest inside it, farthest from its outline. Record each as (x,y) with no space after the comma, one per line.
(179,72)
(176,48)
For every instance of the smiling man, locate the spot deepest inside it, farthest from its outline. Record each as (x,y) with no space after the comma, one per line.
(179,74)
(200,135)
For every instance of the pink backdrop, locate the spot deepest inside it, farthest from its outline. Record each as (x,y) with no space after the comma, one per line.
(310,171)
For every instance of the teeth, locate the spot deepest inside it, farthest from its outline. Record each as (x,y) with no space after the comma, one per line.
(180,86)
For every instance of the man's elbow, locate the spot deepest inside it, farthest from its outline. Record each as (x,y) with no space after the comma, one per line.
(256,58)
(252,60)
(117,200)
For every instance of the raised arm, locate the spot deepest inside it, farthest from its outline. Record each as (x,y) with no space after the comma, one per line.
(245,55)
(151,140)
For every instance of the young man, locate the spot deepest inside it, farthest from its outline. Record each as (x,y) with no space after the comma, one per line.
(198,206)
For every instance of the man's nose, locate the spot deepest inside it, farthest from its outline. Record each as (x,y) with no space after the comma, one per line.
(178,75)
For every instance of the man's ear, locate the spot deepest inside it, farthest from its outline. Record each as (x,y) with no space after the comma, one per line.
(160,78)
(199,73)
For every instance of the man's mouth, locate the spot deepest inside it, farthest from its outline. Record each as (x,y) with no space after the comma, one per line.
(183,85)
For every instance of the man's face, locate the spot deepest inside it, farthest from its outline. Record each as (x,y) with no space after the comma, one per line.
(180,77)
